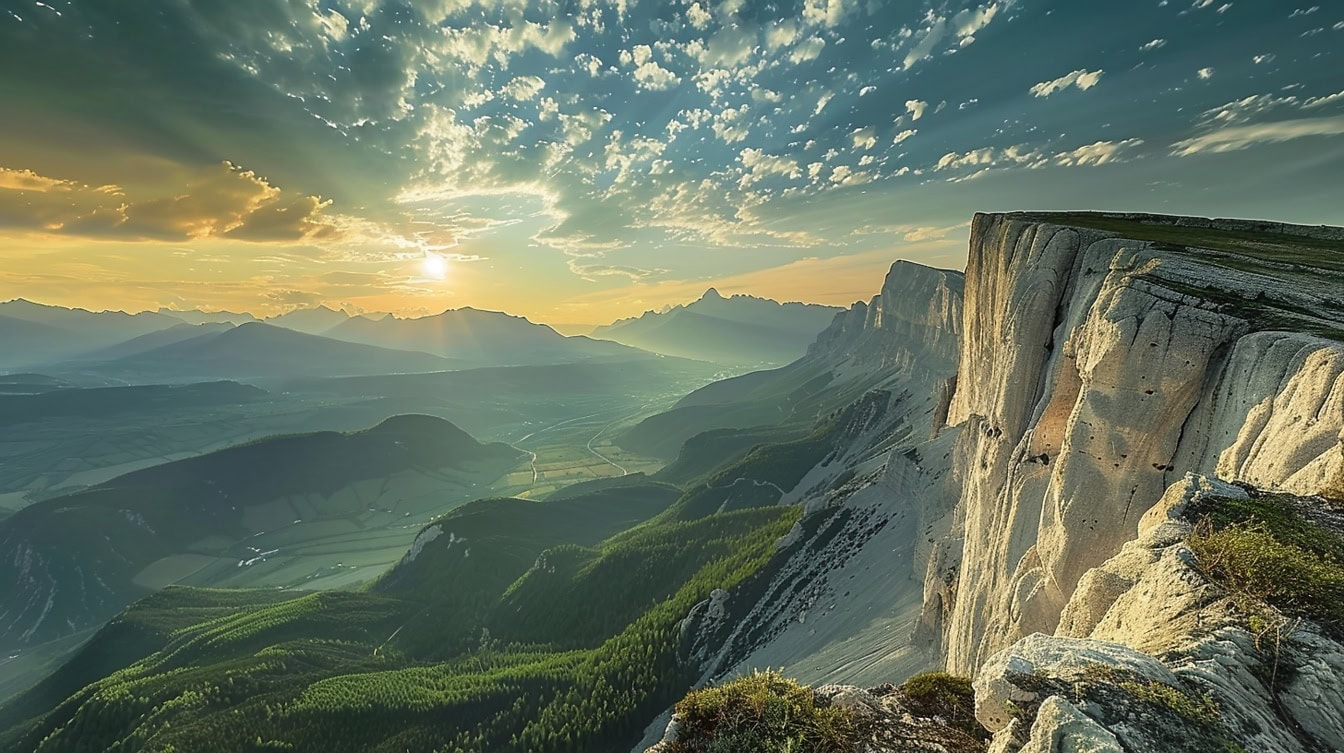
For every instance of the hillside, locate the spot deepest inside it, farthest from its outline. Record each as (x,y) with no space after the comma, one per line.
(437,655)
(83,557)
(903,339)
(740,330)
(483,337)
(262,351)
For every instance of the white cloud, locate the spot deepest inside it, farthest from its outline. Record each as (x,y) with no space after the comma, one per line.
(760,166)
(731,124)
(864,138)
(1097,153)
(698,16)
(916,108)
(903,135)
(1328,99)
(1268,57)
(1153,45)
(824,12)
(781,34)
(1081,78)
(523,88)
(1204,73)
(1234,138)
(808,49)
(654,77)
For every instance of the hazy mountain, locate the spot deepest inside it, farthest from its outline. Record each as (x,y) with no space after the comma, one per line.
(905,335)
(34,333)
(85,556)
(487,337)
(742,329)
(256,350)
(313,321)
(152,340)
(209,317)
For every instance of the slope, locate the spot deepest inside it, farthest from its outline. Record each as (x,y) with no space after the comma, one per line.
(225,516)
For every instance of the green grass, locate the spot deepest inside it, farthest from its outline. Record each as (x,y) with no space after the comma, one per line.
(939,694)
(365,673)
(764,713)
(1266,549)
(1266,245)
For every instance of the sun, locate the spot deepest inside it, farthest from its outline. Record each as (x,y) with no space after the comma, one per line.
(434,266)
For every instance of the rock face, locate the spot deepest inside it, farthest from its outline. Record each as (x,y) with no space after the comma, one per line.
(1102,358)
(1113,370)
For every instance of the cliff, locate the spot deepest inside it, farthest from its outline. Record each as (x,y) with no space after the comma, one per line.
(1106,356)
(1126,386)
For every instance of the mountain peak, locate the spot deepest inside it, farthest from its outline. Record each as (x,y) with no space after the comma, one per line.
(711,295)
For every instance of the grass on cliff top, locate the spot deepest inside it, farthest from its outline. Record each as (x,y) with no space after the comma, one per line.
(764,713)
(1270,246)
(1277,549)
(939,694)
(768,713)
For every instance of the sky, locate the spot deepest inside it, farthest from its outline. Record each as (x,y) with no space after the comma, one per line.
(583,160)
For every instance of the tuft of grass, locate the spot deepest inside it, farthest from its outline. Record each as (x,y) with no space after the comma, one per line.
(764,713)
(939,694)
(1265,549)
(1197,709)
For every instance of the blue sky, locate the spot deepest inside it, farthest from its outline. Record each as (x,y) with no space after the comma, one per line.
(578,161)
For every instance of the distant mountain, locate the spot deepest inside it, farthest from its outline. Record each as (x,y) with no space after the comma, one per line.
(35,333)
(906,335)
(314,321)
(83,557)
(741,330)
(209,317)
(487,337)
(261,351)
(156,339)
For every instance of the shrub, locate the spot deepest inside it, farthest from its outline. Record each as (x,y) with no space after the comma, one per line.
(764,713)
(939,694)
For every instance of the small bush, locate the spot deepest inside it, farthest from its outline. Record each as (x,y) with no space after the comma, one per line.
(1290,563)
(764,713)
(939,694)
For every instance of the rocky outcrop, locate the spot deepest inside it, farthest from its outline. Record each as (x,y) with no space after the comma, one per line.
(1104,356)
(1146,637)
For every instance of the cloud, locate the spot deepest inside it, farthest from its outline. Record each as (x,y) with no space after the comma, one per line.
(1096,153)
(1153,45)
(825,12)
(1204,74)
(760,166)
(654,77)
(903,135)
(220,201)
(698,16)
(1081,78)
(808,49)
(1234,138)
(864,138)
(916,108)
(523,88)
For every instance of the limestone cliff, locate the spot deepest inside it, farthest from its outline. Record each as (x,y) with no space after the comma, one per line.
(1103,357)
(1113,371)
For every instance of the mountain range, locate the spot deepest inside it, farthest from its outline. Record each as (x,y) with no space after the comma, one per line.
(739,330)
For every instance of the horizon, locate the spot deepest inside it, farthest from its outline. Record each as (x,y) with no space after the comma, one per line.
(589,164)
(585,327)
